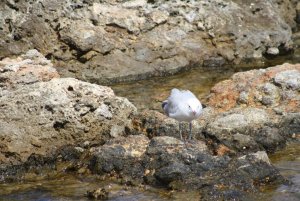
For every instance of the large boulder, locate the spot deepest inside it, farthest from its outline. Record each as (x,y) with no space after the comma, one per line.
(39,114)
(113,41)
(262,104)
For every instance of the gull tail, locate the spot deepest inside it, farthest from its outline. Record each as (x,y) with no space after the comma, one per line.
(164,105)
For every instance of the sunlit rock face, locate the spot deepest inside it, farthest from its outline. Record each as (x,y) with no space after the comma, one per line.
(41,112)
(113,41)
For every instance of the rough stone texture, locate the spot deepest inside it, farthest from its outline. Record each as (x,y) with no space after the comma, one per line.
(269,89)
(27,69)
(113,41)
(262,104)
(167,161)
(122,155)
(38,117)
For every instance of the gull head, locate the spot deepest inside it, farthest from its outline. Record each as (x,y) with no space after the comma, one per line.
(194,107)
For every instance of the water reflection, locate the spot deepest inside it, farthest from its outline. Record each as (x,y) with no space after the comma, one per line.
(288,162)
(67,187)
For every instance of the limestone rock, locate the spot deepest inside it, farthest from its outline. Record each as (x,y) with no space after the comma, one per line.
(115,41)
(41,112)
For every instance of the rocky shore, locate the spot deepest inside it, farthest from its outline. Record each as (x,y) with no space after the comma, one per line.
(47,120)
(120,40)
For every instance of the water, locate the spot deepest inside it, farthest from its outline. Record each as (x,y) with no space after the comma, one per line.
(288,163)
(68,187)
(65,187)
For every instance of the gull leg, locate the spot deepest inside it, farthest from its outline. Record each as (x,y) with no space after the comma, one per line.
(180,131)
(190,135)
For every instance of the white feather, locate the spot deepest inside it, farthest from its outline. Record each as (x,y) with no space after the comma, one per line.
(182,105)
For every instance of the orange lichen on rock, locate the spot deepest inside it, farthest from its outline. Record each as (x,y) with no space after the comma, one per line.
(258,88)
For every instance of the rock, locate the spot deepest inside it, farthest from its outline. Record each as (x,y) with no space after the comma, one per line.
(273,51)
(288,79)
(29,68)
(298,13)
(159,17)
(271,94)
(244,142)
(174,171)
(243,97)
(153,123)
(168,162)
(98,194)
(249,109)
(237,121)
(262,155)
(41,112)
(86,37)
(274,82)
(270,138)
(121,155)
(97,41)
(134,4)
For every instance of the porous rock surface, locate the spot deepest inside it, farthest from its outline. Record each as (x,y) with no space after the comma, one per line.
(113,41)
(40,112)
(169,162)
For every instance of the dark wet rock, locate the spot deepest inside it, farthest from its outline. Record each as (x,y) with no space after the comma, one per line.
(270,138)
(122,155)
(114,41)
(172,172)
(168,162)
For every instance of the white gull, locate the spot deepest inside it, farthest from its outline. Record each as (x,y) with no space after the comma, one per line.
(183,106)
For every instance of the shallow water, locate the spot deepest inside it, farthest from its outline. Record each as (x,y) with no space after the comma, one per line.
(64,187)
(68,187)
(288,163)
(148,94)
